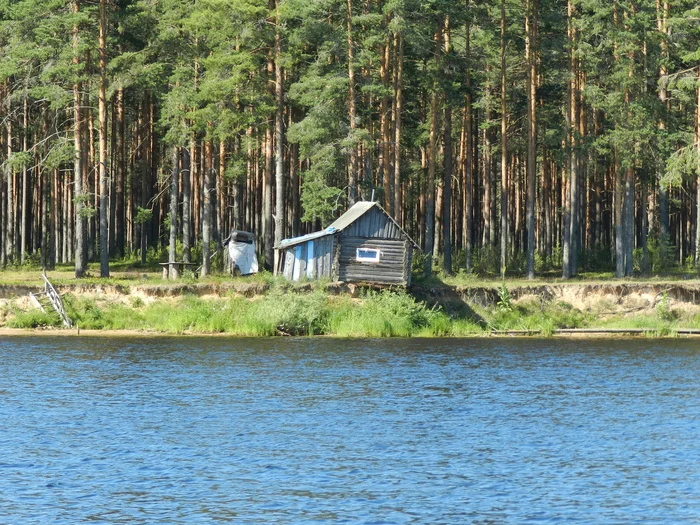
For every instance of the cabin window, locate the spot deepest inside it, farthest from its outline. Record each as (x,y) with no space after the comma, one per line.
(367,255)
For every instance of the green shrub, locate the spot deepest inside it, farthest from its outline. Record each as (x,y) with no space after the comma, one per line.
(388,314)
(137,302)
(664,311)
(487,260)
(84,312)
(661,253)
(33,319)
(504,300)
(537,316)
(294,314)
(465,327)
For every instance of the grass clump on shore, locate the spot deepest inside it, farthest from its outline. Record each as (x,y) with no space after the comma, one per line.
(33,319)
(535,316)
(279,313)
(388,314)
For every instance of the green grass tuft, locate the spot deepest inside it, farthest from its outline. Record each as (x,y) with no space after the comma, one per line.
(34,319)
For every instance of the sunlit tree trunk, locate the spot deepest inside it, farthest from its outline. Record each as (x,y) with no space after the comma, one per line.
(531,60)
(102,128)
(467,158)
(504,147)
(662,14)
(24,202)
(432,154)
(10,193)
(120,178)
(696,145)
(385,127)
(398,101)
(352,112)
(207,214)
(186,174)
(447,174)
(280,183)
(172,245)
(569,243)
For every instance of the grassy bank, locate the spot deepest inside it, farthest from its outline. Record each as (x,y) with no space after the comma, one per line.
(136,298)
(313,311)
(385,314)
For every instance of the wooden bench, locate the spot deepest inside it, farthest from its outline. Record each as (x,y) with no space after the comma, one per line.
(174,269)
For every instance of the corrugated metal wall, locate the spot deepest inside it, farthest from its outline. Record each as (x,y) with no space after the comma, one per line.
(311,259)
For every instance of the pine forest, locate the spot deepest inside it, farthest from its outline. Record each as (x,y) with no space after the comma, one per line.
(512,137)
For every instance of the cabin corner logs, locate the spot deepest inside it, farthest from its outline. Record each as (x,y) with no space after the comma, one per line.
(364,245)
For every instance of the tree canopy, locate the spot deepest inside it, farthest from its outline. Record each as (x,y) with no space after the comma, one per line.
(519,136)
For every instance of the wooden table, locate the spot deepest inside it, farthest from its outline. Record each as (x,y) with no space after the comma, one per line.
(174,269)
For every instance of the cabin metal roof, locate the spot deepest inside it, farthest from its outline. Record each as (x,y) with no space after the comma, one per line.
(356,211)
(286,243)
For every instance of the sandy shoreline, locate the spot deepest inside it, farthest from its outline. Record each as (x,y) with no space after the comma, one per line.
(590,333)
(73,332)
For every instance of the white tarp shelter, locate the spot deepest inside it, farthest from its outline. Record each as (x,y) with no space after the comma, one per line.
(241,253)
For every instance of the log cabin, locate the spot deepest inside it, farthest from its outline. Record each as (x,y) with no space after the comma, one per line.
(364,245)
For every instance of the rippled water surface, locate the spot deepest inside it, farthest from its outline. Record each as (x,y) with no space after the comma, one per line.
(329,431)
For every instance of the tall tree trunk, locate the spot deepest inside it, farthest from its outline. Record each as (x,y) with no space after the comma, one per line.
(697,148)
(207,215)
(547,206)
(437,244)
(398,100)
(145,174)
(571,211)
(582,197)
(530,57)
(268,177)
(186,226)
(10,178)
(279,139)
(46,222)
(120,172)
(172,254)
(53,215)
(432,154)
(662,14)
(467,157)
(3,201)
(628,220)
(192,159)
(102,108)
(629,181)
(295,183)
(24,206)
(447,174)
(504,147)
(447,195)
(223,194)
(489,212)
(90,172)
(385,127)
(352,112)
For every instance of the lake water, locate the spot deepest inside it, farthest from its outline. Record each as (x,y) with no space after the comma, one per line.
(182,430)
